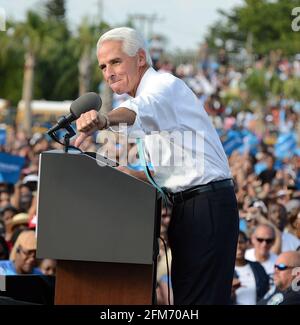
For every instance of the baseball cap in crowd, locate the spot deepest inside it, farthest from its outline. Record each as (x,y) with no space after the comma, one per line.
(260,204)
(27,240)
(20,219)
(31,181)
(30,178)
(36,138)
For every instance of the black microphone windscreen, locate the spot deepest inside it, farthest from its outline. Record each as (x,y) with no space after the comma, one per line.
(85,103)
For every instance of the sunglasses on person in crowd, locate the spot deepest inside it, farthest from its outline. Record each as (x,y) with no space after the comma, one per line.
(282,267)
(267,240)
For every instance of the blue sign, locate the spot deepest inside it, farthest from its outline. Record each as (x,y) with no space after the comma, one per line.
(233,142)
(10,167)
(2,137)
(286,145)
(250,143)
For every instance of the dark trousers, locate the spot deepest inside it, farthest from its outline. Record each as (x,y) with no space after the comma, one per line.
(203,235)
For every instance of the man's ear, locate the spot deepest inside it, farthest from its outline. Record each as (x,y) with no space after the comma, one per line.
(141,57)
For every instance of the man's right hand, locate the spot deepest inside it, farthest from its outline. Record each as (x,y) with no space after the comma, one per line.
(87,124)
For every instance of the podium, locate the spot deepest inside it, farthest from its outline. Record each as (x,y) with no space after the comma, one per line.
(102,226)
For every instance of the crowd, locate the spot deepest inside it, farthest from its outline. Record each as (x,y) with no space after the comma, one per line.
(261,143)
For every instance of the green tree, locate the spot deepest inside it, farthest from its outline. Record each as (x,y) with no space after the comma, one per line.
(32,37)
(11,70)
(56,71)
(84,43)
(55,9)
(259,25)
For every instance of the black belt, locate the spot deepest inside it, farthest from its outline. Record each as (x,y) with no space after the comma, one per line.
(191,192)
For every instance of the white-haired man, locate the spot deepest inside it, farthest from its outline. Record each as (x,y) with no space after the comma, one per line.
(204,226)
(262,239)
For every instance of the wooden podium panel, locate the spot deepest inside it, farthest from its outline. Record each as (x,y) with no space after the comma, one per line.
(96,283)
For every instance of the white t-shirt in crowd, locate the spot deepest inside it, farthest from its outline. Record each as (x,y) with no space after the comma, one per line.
(268,264)
(246,293)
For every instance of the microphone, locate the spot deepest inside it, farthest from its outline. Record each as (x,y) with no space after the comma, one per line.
(81,105)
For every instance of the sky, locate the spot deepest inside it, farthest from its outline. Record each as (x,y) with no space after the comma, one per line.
(183,22)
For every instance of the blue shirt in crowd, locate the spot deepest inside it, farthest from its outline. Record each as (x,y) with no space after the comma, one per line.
(8,268)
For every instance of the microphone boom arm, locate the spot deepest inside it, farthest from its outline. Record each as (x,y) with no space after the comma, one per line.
(69,134)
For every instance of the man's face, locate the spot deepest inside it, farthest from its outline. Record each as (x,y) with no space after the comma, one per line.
(4,199)
(276,215)
(25,260)
(121,71)
(283,278)
(263,240)
(241,247)
(7,217)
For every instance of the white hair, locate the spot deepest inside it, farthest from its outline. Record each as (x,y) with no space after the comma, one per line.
(131,40)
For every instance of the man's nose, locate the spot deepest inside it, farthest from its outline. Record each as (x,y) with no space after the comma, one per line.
(109,73)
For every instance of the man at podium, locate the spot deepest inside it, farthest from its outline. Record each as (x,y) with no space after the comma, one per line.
(189,164)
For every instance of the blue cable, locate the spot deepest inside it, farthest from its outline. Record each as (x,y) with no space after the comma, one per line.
(146,170)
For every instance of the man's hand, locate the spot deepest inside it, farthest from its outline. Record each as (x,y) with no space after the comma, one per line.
(88,123)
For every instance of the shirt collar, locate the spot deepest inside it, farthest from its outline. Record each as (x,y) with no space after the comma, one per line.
(147,75)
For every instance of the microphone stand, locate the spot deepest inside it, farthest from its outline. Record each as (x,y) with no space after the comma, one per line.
(69,134)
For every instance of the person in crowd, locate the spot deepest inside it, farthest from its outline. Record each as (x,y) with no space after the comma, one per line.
(293,209)
(47,266)
(7,214)
(262,240)
(251,281)
(286,279)
(267,175)
(164,290)
(4,250)
(22,257)
(278,216)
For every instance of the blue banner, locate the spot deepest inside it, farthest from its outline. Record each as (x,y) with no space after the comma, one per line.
(260,167)
(250,143)
(2,137)
(286,145)
(233,141)
(10,167)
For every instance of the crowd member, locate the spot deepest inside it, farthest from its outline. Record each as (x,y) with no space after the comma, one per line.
(22,258)
(286,279)
(47,266)
(251,281)
(262,240)
(278,216)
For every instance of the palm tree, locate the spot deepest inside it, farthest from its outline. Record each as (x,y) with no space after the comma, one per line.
(88,35)
(86,40)
(31,34)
